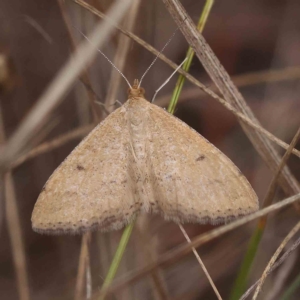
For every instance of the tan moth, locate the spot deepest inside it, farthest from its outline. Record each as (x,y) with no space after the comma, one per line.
(141,159)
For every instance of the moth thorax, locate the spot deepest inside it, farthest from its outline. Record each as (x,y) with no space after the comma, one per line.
(136,91)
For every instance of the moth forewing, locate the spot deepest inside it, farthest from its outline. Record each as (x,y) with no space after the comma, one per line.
(141,158)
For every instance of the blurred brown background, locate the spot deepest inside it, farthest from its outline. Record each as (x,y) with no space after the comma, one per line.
(246,36)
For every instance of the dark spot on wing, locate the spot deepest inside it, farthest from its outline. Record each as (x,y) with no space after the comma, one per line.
(80,168)
(43,189)
(201,157)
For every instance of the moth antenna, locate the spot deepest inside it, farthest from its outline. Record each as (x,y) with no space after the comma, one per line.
(119,71)
(167,80)
(155,59)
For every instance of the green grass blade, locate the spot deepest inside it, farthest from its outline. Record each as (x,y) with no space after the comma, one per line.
(241,280)
(117,259)
(190,55)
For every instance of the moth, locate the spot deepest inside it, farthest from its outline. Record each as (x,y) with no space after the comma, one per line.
(141,159)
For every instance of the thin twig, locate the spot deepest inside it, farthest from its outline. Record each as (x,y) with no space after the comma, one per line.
(82,266)
(274,267)
(201,264)
(280,281)
(14,227)
(274,258)
(272,188)
(15,234)
(267,76)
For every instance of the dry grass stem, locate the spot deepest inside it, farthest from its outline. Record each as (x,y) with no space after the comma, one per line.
(266,76)
(272,188)
(89,285)
(15,233)
(59,86)
(279,262)
(201,264)
(240,80)
(193,80)
(14,226)
(181,251)
(281,277)
(83,266)
(274,258)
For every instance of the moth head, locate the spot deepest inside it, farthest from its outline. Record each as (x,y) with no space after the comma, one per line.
(136,90)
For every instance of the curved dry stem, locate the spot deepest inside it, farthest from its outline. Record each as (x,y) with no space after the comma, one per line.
(274,258)
(274,267)
(201,264)
(14,226)
(82,265)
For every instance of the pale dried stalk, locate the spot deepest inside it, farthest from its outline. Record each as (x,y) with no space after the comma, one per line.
(15,234)
(181,251)
(266,76)
(272,188)
(82,266)
(201,264)
(279,282)
(241,80)
(59,86)
(88,279)
(120,57)
(274,267)
(14,227)
(274,258)
(222,80)
(208,91)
